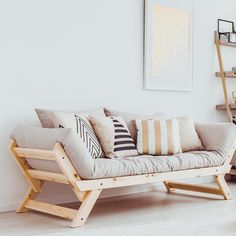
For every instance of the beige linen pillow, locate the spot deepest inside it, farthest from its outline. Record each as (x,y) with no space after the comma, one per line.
(114,136)
(188,135)
(80,124)
(129,119)
(46,116)
(158,137)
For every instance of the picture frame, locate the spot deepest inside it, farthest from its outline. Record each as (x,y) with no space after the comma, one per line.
(168,53)
(232,37)
(225,26)
(224,37)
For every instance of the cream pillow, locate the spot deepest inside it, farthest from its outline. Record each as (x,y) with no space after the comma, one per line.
(80,124)
(158,137)
(46,116)
(114,136)
(188,135)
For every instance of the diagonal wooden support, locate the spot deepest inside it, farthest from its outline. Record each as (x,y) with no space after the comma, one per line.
(30,195)
(223,186)
(167,186)
(24,167)
(68,170)
(36,179)
(52,209)
(85,208)
(194,188)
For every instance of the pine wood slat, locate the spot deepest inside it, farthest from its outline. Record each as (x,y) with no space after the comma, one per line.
(60,211)
(48,176)
(47,155)
(85,185)
(228,74)
(223,106)
(226,44)
(194,188)
(232,172)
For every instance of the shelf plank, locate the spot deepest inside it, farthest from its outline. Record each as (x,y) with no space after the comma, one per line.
(225,44)
(232,172)
(228,74)
(223,106)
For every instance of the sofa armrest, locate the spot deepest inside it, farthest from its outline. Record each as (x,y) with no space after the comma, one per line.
(37,137)
(220,137)
(46,138)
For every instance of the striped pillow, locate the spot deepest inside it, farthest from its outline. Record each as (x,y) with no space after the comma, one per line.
(114,136)
(158,137)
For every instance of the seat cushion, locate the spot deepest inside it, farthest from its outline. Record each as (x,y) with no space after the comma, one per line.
(146,164)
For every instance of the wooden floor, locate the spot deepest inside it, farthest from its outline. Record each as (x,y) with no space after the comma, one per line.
(150,213)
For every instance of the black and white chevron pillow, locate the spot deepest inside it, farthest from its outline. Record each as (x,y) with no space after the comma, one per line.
(81,125)
(86,133)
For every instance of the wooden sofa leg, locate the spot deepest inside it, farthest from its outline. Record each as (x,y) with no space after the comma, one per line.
(85,208)
(167,187)
(30,195)
(223,186)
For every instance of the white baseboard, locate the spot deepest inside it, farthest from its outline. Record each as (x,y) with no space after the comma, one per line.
(11,206)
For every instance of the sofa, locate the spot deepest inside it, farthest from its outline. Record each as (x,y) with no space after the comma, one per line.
(54,154)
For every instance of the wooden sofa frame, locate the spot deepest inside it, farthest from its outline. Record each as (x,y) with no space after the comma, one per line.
(88,191)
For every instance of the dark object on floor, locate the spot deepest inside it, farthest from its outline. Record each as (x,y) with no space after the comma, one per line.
(234,120)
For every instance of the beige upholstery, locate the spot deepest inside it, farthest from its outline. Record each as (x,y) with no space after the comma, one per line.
(146,164)
(216,138)
(188,135)
(46,116)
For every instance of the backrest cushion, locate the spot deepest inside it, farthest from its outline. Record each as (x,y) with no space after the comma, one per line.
(46,116)
(188,135)
(114,136)
(158,137)
(129,119)
(79,124)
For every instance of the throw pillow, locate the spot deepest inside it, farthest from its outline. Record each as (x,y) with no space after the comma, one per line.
(82,127)
(46,116)
(188,135)
(129,119)
(158,137)
(114,136)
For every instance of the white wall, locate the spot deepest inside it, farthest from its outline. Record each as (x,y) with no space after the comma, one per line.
(79,54)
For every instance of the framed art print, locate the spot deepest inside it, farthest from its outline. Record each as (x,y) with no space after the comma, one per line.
(168,45)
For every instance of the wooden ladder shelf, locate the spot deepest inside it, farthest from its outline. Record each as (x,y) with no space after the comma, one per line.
(225,75)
